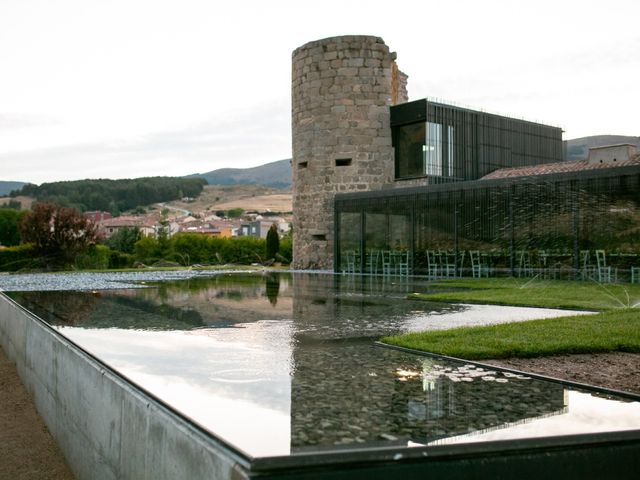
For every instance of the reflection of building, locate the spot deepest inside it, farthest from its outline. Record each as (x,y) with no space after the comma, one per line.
(385,186)
(346,392)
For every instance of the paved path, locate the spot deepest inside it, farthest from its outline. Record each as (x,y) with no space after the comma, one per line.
(27,450)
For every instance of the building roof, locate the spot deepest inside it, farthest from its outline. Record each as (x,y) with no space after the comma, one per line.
(560,167)
(612,146)
(129,221)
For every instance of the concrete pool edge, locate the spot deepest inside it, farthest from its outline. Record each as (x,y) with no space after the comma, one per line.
(106,426)
(142,447)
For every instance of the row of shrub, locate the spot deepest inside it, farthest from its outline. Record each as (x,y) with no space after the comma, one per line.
(183,249)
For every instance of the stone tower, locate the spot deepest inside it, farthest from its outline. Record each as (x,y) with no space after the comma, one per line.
(342,88)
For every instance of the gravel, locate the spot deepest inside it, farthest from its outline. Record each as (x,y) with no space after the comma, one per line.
(83,281)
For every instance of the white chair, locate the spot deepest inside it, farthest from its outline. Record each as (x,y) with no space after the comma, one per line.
(447,263)
(373,259)
(432,263)
(478,269)
(604,270)
(387,265)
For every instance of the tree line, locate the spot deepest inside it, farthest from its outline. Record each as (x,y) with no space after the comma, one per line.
(52,237)
(113,196)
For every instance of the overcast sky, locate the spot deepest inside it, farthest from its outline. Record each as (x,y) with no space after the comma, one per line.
(127,88)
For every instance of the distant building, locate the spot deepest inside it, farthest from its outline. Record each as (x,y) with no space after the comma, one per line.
(97,216)
(612,153)
(211,228)
(258,229)
(149,225)
(384,185)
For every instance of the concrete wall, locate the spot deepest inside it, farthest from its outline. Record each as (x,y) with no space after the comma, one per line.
(342,88)
(106,427)
(612,153)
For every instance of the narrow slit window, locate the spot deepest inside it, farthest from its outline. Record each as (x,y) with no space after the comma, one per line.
(343,162)
(303,165)
(319,236)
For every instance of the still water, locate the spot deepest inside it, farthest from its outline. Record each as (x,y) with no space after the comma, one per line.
(277,364)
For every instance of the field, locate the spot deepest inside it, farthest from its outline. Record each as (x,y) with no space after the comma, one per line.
(247,197)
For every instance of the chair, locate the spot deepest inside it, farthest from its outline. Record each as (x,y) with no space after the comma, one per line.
(432,263)
(447,263)
(524,263)
(402,262)
(350,257)
(635,274)
(387,266)
(373,259)
(543,264)
(461,262)
(604,270)
(478,269)
(587,270)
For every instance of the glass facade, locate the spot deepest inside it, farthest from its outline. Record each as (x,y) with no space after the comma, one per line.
(447,143)
(580,224)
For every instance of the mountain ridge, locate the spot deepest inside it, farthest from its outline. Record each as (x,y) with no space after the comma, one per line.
(273,174)
(6,187)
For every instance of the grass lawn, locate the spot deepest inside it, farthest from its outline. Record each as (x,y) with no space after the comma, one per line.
(615,328)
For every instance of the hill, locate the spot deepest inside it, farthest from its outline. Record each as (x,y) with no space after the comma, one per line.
(114,195)
(578,148)
(274,174)
(248,197)
(7,187)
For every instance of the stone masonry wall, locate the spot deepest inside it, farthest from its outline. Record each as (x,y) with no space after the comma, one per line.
(342,88)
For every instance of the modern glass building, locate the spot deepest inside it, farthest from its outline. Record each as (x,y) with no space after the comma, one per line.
(531,216)
(445,143)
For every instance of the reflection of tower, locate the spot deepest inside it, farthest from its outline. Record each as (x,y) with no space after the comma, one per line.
(345,391)
(342,88)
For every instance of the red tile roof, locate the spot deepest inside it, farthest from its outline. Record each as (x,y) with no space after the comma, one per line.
(560,167)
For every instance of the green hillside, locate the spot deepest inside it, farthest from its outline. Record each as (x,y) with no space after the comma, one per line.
(274,174)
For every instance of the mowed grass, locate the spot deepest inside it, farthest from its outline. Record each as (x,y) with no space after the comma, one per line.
(615,328)
(536,293)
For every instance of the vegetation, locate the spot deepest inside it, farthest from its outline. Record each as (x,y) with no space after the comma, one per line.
(14,204)
(603,332)
(58,234)
(189,249)
(124,240)
(273,242)
(19,257)
(614,328)
(235,213)
(114,196)
(9,226)
(534,293)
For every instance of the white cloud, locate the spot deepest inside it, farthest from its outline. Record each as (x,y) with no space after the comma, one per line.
(115,74)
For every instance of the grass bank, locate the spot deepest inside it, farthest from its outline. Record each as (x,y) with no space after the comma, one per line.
(615,328)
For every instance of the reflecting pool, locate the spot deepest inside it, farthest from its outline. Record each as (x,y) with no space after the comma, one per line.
(279,364)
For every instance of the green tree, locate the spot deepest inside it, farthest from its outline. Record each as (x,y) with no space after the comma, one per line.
(9,226)
(124,239)
(235,213)
(273,242)
(57,233)
(15,204)
(147,250)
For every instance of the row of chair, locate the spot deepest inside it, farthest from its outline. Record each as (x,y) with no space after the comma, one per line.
(442,263)
(387,262)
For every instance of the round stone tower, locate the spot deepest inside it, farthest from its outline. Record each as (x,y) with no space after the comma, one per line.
(342,88)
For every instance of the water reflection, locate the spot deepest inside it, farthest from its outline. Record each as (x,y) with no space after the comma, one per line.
(279,364)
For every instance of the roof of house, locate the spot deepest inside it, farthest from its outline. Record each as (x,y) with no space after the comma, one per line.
(129,221)
(560,167)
